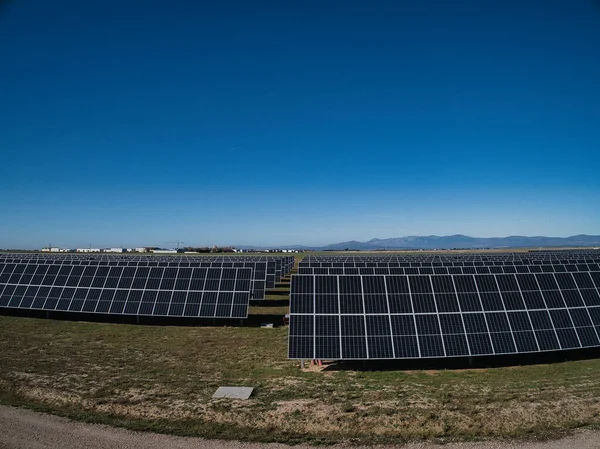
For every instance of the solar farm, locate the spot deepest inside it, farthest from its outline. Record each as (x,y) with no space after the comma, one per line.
(359,347)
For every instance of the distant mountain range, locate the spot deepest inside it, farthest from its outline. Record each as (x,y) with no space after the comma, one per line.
(457,241)
(463,241)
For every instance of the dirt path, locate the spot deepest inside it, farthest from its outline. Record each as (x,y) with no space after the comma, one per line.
(20,429)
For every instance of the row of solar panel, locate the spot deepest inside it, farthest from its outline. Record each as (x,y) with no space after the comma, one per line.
(115,256)
(453,270)
(273,267)
(274,271)
(452,257)
(441,335)
(287,262)
(313,261)
(191,292)
(332,284)
(472,254)
(128,302)
(133,263)
(424,264)
(46,274)
(443,303)
(283,264)
(335,317)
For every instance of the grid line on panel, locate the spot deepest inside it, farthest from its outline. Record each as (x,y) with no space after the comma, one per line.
(585,307)
(70,306)
(101,288)
(172,290)
(115,288)
(158,294)
(537,281)
(437,316)
(462,318)
(506,315)
(387,299)
(203,287)
(26,285)
(143,292)
(340,317)
(90,289)
(63,287)
(314,285)
(233,294)
(414,317)
(364,316)
(567,310)
(487,326)
(217,295)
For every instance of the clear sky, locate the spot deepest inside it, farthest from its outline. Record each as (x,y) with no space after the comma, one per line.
(311,122)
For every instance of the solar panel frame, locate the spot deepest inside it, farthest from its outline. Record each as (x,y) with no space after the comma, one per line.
(487,331)
(69,291)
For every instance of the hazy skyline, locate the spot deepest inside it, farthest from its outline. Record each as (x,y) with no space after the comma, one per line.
(297,123)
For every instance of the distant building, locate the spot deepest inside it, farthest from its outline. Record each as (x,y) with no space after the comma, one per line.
(165,251)
(113,250)
(87,250)
(55,249)
(141,249)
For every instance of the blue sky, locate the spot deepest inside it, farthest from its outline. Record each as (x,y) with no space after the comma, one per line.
(271,123)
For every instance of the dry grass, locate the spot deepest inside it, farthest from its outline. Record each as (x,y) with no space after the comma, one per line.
(162,378)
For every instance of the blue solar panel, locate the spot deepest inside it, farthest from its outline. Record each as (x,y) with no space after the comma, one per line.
(428,316)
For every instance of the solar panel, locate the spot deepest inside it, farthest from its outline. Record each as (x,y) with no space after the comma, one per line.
(259,274)
(427,316)
(263,278)
(124,290)
(492,269)
(400,262)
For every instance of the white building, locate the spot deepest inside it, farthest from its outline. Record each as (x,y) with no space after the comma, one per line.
(164,251)
(55,249)
(88,250)
(112,250)
(140,250)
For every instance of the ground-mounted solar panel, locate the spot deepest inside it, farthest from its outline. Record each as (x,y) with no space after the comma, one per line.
(337,317)
(123,290)
(433,259)
(491,269)
(424,262)
(259,274)
(262,278)
(283,264)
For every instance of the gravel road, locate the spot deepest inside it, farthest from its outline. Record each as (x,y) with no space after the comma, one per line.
(20,429)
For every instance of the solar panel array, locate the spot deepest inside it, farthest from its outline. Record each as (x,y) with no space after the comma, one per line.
(531,308)
(494,269)
(199,287)
(157,291)
(412,261)
(267,270)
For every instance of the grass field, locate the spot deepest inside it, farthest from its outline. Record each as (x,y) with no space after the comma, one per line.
(161,378)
